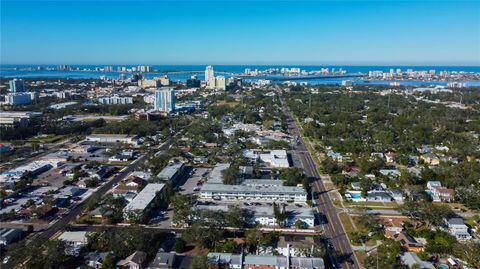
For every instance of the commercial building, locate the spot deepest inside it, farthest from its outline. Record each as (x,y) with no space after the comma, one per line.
(62,105)
(8,236)
(112,138)
(215,176)
(193,82)
(149,83)
(18,98)
(164,80)
(275,158)
(18,118)
(347,83)
(165,100)
(116,100)
(172,172)
(8,178)
(17,86)
(264,215)
(238,261)
(218,83)
(251,189)
(141,204)
(209,73)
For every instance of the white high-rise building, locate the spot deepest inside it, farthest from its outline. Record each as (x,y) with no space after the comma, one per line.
(220,83)
(165,100)
(209,73)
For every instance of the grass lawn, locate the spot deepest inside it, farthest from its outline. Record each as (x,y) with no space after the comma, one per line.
(385,205)
(347,224)
(337,203)
(46,139)
(361,255)
(329,185)
(230,104)
(119,162)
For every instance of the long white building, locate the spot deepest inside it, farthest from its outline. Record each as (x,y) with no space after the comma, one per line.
(253,189)
(264,215)
(116,100)
(143,201)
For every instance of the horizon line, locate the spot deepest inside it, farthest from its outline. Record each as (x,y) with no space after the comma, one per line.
(243,64)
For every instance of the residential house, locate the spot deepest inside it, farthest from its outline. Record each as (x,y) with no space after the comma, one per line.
(134,261)
(406,241)
(431,185)
(264,262)
(100,212)
(389,157)
(439,193)
(378,196)
(356,186)
(430,159)
(289,245)
(457,228)
(225,260)
(443,194)
(411,258)
(396,194)
(390,172)
(135,182)
(163,260)
(95,259)
(74,241)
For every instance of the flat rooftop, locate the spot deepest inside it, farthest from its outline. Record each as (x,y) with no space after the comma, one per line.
(170,170)
(145,197)
(79,236)
(263,211)
(216,174)
(270,189)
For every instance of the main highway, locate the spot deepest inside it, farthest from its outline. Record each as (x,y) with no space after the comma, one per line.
(333,229)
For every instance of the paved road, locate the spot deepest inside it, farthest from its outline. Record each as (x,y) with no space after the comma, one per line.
(333,229)
(63,222)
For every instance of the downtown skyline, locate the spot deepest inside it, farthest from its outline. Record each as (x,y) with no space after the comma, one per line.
(232,32)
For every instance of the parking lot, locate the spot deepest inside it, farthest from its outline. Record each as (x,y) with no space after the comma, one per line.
(51,178)
(190,186)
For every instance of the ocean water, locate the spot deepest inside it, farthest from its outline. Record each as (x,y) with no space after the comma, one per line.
(7,72)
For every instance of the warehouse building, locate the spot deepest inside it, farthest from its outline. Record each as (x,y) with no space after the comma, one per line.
(113,138)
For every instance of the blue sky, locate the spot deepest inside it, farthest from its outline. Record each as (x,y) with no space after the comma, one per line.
(240,32)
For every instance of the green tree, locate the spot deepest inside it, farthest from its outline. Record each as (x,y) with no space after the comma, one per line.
(236,217)
(179,245)
(199,262)
(279,214)
(469,252)
(181,209)
(386,256)
(230,175)
(108,262)
(299,224)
